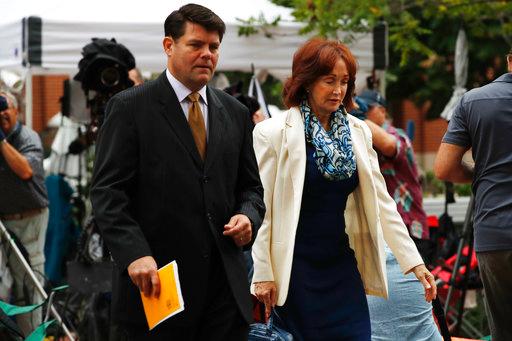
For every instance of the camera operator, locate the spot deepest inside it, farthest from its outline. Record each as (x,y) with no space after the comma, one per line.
(23,201)
(136,76)
(482,121)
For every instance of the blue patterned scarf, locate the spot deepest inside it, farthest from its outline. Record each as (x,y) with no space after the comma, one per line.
(333,149)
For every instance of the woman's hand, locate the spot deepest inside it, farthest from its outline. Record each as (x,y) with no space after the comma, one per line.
(266,292)
(427,279)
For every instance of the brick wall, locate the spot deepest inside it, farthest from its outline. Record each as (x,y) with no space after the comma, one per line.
(46,91)
(428,133)
(411,112)
(433,133)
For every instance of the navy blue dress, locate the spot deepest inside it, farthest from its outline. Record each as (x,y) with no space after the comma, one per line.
(326,298)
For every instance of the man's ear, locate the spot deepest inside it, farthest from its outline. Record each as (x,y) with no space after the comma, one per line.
(168,43)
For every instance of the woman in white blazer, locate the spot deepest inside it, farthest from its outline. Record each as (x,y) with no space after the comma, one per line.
(321,244)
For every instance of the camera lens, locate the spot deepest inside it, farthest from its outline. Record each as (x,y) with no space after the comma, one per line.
(110,76)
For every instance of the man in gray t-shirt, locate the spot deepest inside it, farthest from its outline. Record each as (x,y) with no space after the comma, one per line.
(23,202)
(482,121)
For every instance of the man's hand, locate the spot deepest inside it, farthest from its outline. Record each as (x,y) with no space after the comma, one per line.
(428,281)
(266,292)
(239,228)
(144,275)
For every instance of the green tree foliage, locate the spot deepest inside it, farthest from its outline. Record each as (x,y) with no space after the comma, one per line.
(431,77)
(408,19)
(422,36)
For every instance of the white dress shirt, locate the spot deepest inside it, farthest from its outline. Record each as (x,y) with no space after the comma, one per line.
(182,93)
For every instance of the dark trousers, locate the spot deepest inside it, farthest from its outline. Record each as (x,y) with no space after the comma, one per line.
(221,319)
(496,273)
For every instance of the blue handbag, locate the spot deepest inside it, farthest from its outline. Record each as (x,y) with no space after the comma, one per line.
(268,331)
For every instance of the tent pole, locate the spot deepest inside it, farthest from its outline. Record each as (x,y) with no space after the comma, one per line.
(382,82)
(28,99)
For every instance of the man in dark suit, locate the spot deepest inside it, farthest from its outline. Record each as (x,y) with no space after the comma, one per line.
(176,178)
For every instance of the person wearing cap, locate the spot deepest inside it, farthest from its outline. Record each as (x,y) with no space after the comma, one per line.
(404,313)
(23,203)
(482,121)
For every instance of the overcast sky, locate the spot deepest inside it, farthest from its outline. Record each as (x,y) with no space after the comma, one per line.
(133,10)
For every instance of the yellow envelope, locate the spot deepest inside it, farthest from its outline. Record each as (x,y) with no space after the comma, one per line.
(170,301)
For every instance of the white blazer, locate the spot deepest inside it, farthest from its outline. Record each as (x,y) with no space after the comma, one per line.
(371,215)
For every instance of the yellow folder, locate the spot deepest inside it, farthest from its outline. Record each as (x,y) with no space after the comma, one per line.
(170,301)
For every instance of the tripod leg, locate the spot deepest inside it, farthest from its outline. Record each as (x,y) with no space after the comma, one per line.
(460,310)
(467,227)
(38,287)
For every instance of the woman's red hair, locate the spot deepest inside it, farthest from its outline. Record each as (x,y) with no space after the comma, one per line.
(316,58)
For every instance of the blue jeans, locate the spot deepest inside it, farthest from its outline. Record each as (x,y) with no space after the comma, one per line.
(405,315)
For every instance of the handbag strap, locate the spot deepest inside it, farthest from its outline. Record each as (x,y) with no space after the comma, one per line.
(441,319)
(270,322)
(261,307)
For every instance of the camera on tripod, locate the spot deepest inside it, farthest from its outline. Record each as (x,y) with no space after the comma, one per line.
(103,71)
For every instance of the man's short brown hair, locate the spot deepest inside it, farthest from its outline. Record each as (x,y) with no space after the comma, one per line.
(174,25)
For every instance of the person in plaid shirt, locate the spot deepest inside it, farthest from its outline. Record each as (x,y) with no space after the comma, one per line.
(398,166)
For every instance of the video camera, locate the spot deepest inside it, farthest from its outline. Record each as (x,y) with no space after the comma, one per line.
(104,71)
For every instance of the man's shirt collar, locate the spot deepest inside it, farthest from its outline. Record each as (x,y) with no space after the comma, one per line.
(181,90)
(507,77)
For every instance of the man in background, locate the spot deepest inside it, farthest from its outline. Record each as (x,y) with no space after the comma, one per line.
(136,76)
(23,202)
(482,121)
(253,105)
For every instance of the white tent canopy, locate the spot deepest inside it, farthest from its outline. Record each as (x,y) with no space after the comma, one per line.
(52,41)
(62,42)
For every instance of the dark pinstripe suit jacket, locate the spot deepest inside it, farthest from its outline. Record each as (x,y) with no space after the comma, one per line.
(153,195)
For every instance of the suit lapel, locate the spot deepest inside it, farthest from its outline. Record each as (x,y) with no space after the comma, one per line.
(217,127)
(295,143)
(173,114)
(360,152)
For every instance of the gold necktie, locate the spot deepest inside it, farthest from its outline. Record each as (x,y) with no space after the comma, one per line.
(196,122)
